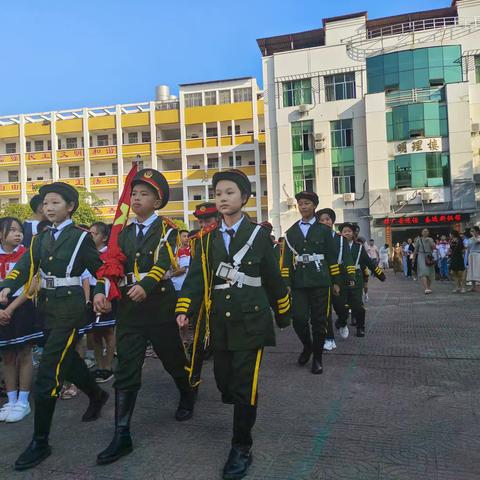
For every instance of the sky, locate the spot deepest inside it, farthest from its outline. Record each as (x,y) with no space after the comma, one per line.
(85,53)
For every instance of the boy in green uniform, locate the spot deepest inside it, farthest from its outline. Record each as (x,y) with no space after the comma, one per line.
(59,255)
(235,273)
(327,217)
(361,262)
(310,266)
(146,311)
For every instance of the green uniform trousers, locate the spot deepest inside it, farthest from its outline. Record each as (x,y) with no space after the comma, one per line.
(355,301)
(236,374)
(132,341)
(60,361)
(310,306)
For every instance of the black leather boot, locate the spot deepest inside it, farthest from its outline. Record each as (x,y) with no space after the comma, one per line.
(240,456)
(361,322)
(39,449)
(121,443)
(98,398)
(304,357)
(317,367)
(187,399)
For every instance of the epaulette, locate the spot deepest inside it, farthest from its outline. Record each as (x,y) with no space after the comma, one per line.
(207,229)
(170,222)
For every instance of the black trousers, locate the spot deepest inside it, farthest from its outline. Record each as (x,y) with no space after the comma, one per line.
(132,338)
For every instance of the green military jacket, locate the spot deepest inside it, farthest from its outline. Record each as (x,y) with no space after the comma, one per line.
(151,259)
(344,258)
(319,240)
(61,307)
(240,318)
(361,262)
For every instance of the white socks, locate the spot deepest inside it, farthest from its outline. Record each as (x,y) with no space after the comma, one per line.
(23,397)
(12,397)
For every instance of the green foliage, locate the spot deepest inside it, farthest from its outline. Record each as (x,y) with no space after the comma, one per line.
(17,210)
(181,225)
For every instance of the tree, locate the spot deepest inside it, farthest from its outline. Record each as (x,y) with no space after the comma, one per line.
(87,212)
(181,225)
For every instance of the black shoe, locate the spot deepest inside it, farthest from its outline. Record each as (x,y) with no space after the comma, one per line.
(317,367)
(360,332)
(239,459)
(185,409)
(353,322)
(97,401)
(103,376)
(36,453)
(120,446)
(304,357)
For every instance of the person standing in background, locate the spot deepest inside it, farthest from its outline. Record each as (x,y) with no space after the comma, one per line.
(372,251)
(457,265)
(30,227)
(384,257)
(424,248)
(397,259)
(473,271)
(443,249)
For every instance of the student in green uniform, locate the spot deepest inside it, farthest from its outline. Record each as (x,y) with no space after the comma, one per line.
(361,262)
(310,265)
(327,216)
(234,271)
(207,215)
(60,255)
(146,311)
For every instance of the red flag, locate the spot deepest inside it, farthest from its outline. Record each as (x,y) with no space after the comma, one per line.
(114,259)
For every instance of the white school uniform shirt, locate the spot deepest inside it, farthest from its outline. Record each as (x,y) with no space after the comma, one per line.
(226,236)
(305,226)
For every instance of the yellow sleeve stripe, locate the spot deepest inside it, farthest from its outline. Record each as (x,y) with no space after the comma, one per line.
(281,300)
(334,271)
(182,304)
(285,274)
(154,276)
(181,310)
(284,310)
(14,271)
(186,300)
(161,271)
(284,304)
(378,271)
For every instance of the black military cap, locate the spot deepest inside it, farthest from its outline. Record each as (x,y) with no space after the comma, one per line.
(205,210)
(66,191)
(236,176)
(327,211)
(352,226)
(35,202)
(312,196)
(155,180)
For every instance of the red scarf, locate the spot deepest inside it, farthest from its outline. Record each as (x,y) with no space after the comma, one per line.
(8,260)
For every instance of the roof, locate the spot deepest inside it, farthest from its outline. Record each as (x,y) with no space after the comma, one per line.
(316,38)
(215,81)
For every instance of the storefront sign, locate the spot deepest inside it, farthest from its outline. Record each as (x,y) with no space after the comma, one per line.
(420,145)
(423,220)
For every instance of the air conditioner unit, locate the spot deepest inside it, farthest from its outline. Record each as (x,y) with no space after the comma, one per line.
(291,202)
(427,197)
(476,128)
(303,108)
(319,137)
(348,197)
(319,145)
(402,198)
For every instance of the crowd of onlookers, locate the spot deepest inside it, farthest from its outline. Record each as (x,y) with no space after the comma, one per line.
(455,257)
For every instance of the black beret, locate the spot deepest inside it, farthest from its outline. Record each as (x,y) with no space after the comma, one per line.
(205,210)
(352,226)
(156,180)
(312,196)
(35,202)
(235,176)
(327,211)
(66,191)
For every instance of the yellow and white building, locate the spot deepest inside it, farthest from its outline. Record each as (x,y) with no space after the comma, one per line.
(209,127)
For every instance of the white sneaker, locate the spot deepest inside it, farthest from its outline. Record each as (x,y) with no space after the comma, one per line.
(18,412)
(333,344)
(328,345)
(365,299)
(344,332)
(5,410)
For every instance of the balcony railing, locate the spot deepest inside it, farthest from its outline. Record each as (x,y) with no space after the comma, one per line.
(416,95)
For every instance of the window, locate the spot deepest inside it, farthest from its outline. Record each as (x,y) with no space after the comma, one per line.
(342,154)
(38,145)
(114,139)
(419,170)
(193,99)
(224,96)
(140,164)
(11,147)
(13,175)
(102,140)
(237,130)
(340,86)
(49,145)
(74,172)
(115,168)
(29,146)
(477,68)
(417,68)
(212,131)
(59,144)
(146,137)
(297,92)
(242,95)
(211,98)
(197,197)
(132,137)
(238,161)
(212,163)
(303,156)
(72,142)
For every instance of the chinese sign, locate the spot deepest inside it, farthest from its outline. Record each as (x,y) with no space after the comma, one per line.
(103,151)
(422,220)
(420,145)
(11,158)
(70,153)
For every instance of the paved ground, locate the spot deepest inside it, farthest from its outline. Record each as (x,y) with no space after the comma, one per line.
(401,404)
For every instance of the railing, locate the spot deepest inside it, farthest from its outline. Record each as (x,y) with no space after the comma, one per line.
(416,95)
